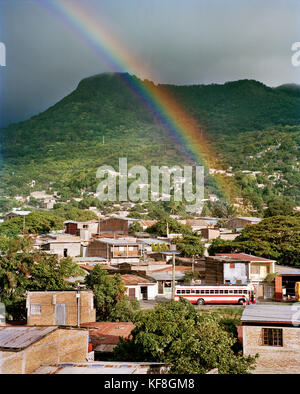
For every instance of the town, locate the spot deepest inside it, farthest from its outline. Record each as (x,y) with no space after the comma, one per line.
(75,297)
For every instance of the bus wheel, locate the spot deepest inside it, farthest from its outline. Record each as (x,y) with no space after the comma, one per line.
(241,301)
(200,301)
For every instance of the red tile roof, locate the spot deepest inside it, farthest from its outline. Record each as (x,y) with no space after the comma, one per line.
(132,280)
(243,257)
(108,333)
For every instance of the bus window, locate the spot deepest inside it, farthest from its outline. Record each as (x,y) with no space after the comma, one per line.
(206,291)
(230,291)
(225,291)
(182,291)
(221,291)
(236,292)
(216,291)
(202,292)
(188,292)
(211,291)
(178,291)
(197,291)
(245,292)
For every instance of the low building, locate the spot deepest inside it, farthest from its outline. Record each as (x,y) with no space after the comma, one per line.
(241,222)
(63,308)
(238,269)
(272,331)
(119,250)
(24,349)
(84,230)
(63,245)
(104,336)
(117,225)
(140,288)
(16,214)
(210,233)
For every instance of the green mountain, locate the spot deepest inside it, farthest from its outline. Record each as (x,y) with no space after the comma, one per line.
(103,120)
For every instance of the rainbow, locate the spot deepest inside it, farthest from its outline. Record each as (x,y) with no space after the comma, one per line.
(175,120)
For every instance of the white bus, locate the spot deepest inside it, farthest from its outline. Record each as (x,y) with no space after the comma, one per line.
(229,294)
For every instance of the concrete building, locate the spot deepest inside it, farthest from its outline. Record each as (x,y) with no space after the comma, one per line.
(15,214)
(140,288)
(116,225)
(119,250)
(210,233)
(24,349)
(63,308)
(239,223)
(64,245)
(84,230)
(238,268)
(272,331)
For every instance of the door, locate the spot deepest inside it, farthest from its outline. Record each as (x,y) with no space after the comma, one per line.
(131,293)
(60,314)
(144,292)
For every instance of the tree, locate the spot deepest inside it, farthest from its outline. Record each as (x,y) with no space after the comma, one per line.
(277,238)
(136,227)
(187,341)
(190,246)
(279,207)
(23,268)
(175,227)
(111,302)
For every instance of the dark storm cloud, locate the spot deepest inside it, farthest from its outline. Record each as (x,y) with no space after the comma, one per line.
(182,41)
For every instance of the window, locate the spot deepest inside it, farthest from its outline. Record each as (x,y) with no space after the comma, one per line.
(212,291)
(225,291)
(230,291)
(35,309)
(236,292)
(188,291)
(221,291)
(231,265)
(255,269)
(182,291)
(272,337)
(202,291)
(178,291)
(206,291)
(131,248)
(65,252)
(122,249)
(197,291)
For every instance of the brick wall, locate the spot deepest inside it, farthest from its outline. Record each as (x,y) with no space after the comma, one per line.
(62,345)
(46,300)
(273,357)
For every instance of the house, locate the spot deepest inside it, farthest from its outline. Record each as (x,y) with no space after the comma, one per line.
(238,268)
(63,245)
(104,336)
(24,349)
(47,203)
(210,233)
(241,222)
(116,250)
(84,230)
(63,308)
(163,277)
(272,331)
(116,225)
(15,214)
(285,282)
(140,288)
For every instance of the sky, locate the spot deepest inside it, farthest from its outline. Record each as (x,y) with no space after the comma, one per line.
(181,41)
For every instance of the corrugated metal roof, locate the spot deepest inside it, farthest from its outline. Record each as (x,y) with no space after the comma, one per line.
(18,338)
(286,270)
(272,313)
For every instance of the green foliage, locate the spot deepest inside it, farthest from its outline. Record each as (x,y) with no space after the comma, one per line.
(187,341)
(111,302)
(190,246)
(159,247)
(35,222)
(68,212)
(277,238)
(279,208)
(23,268)
(136,227)
(175,227)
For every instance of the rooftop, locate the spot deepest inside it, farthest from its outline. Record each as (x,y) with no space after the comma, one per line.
(242,257)
(285,314)
(15,339)
(132,280)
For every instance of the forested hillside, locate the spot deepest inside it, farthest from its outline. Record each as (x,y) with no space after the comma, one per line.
(103,120)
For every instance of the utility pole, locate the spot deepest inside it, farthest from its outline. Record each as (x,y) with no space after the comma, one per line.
(173,276)
(103,140)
